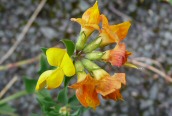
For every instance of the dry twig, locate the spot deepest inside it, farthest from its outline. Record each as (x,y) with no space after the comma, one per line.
(24,31)
(8,86)
(20,63)
(149,67)
(148,60)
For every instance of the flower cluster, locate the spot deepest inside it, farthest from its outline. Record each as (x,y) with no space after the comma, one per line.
(92,80)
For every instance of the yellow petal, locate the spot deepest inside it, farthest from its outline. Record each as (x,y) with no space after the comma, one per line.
(55,56)
(79,20)
(67,66)
(55,79)
(42,79)
(104,20)
(92,14)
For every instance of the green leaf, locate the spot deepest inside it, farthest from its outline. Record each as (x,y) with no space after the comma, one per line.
(5,109)
(79,111)
(43,64)
(73,100)
(62,96)
(46,102)
(67,80)
(30,84)
(44,50)
(70,46)
(44,94)
(33,114)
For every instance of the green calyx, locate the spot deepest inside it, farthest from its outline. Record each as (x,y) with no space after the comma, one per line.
(95,55)
(93,45)
(82,39)
(89,65)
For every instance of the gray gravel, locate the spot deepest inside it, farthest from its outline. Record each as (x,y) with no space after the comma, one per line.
(150,36)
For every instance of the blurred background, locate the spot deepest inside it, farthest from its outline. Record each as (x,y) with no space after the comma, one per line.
(150,37)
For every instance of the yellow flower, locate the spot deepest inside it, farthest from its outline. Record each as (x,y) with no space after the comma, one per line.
(89,22)
(113,33)
(53,78)
(90,19)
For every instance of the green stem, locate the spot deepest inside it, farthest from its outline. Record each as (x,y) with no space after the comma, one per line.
(14,96)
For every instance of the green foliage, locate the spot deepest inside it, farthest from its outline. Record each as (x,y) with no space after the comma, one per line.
(44,50)
(73,100)
(169,1)
(70,46)
(5,109)
(48,105)
(62,97)
(33,114)
(30,84)
(43,64)
(66,82)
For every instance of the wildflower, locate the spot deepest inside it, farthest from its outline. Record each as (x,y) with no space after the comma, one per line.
(87,90)
(100,82)
(89,22)
(117,56)
(64,66)
(113,33)
(65,110)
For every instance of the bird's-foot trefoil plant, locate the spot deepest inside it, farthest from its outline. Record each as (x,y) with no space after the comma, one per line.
(81,60)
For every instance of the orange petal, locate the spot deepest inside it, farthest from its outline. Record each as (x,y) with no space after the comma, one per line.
(109,84)
(108,35)
(121,77)
(104,20)
(116,95)
(87,96)
(121,29)
(86,93)
(119,55)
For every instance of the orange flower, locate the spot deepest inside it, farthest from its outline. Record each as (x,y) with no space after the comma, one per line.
(109,84)
(117,56)
(90,19)
(87,90)
(116,95)
(113,33)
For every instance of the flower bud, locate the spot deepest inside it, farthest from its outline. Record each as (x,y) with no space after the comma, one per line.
(80,71)
(117,56)
(95,55)
(82,39)
(64,110)
(93,45)
(89,65)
